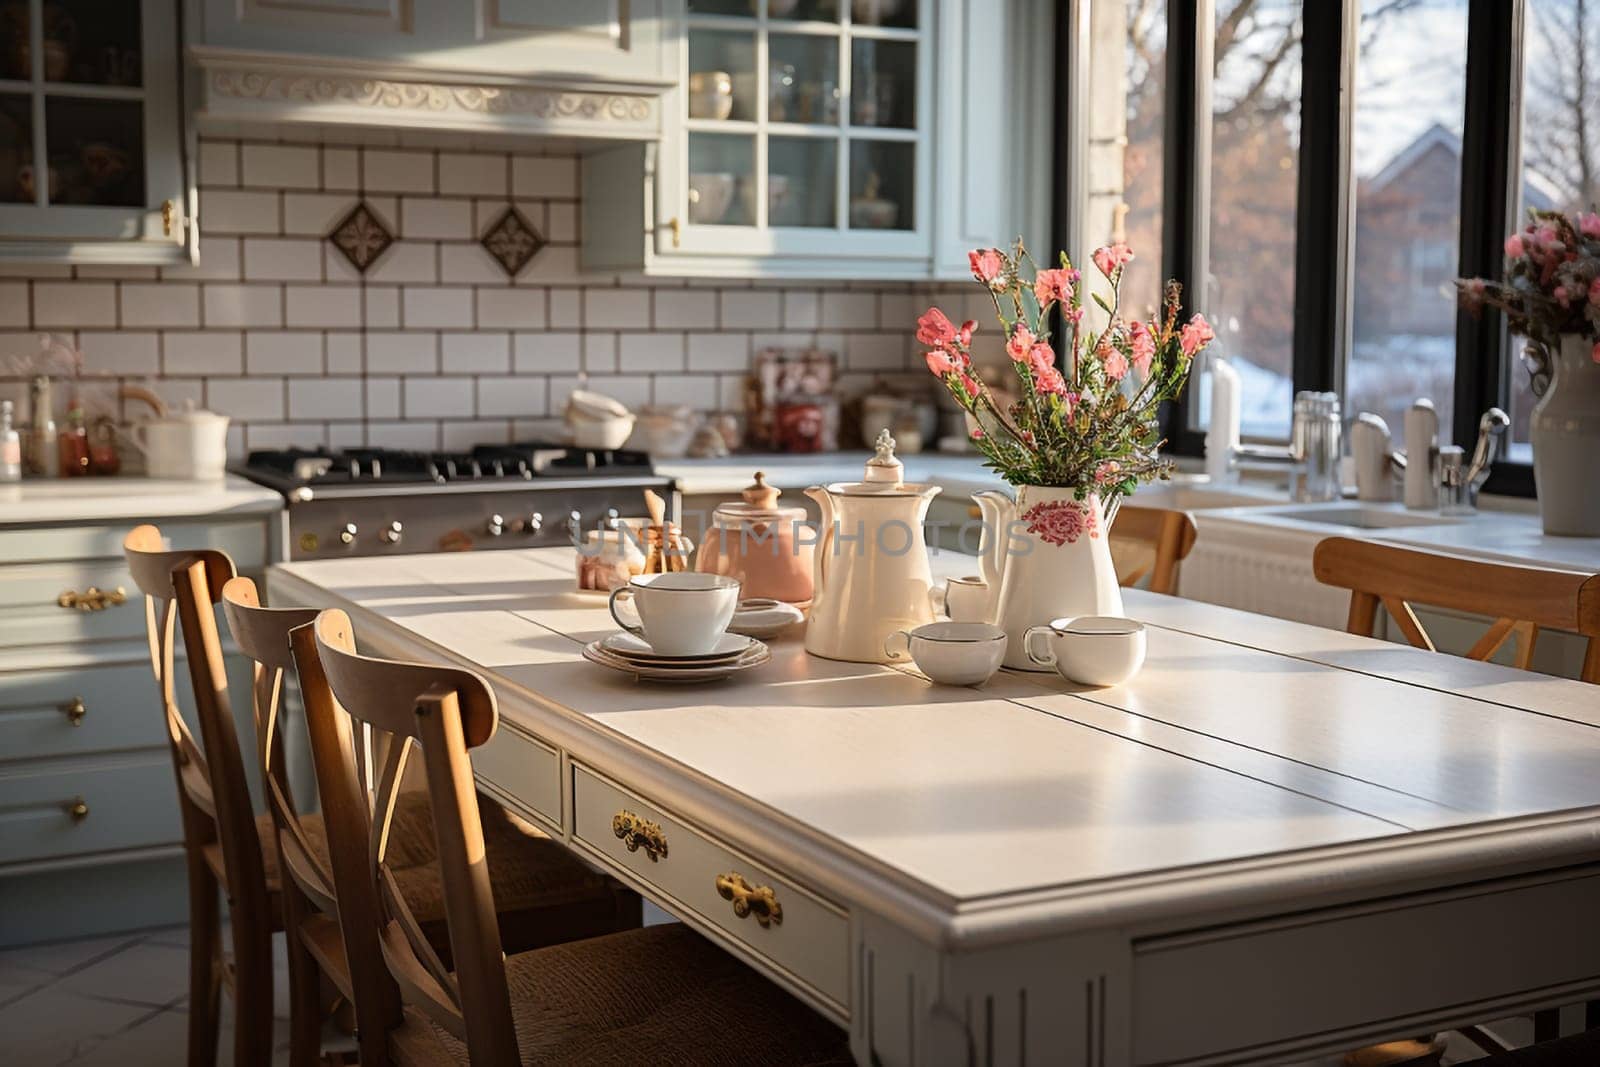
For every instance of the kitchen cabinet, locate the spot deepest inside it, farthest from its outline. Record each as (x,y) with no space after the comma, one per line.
(833,138)
(86,779)
(94,167)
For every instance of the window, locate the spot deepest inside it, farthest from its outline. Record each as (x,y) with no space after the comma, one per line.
(1410,96)
(1255,149)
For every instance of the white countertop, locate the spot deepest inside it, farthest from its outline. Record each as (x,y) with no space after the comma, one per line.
(53,500)
(790,471)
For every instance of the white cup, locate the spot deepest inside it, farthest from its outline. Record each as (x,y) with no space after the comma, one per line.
(1097,650)
(966,599)
(682,613)
(951,653)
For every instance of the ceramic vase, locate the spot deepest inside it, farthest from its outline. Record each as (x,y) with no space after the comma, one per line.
(1565,432)
(1048,556)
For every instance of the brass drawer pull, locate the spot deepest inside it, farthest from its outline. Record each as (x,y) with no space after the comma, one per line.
(74,710)
(639,833)
(78,809)
(748,900)
(93,598)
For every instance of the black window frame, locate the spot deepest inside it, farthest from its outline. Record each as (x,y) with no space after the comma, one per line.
(1491,175)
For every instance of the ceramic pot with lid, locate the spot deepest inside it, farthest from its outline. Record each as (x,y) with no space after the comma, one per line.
(767,547)
(191,444)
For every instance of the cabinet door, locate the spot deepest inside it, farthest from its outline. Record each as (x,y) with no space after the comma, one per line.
(92,161)
(607,39)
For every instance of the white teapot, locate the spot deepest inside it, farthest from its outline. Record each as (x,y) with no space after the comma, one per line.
(871,574)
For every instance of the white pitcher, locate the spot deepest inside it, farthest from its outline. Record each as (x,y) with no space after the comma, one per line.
(1045,556)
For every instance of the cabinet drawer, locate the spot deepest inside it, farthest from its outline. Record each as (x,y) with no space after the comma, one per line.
(114,706)
(31,614)
(524,769)
(129,804)
(811,943)
(246,542)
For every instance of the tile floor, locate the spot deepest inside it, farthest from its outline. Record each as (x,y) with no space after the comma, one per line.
(122,1001)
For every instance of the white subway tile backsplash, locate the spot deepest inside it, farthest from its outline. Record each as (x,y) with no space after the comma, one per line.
(274,166)
(498,308)
(336,267)
(751,310)
(160,304)
(695,391)
(402,352)
(550,177)
(412,435)
(74,304)
(511,397)
(469,264)
(243,305)
(239,211)
(474,352)
(383,398)
(15,311)
(561,223)
(208,353)
(438,398)
(547,353)
(383,306)
(566,308)
(719,351)
(388,171)
(600,352)
(248,399)
(802,309)
(322,305)
(464,173)
(438,219)
(616,309)
(875,351)
(850,311)
(632,390)
(456,434)
(325,398)
(407,261)
(220,261)
(426,307)
(650,351)
(341,168)
(315,214)
(283,352)
(280,259)
(685,308)
(219,163)
(344,353)
(125,352)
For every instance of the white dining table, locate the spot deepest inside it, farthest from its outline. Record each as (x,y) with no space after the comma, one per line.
(1276,841)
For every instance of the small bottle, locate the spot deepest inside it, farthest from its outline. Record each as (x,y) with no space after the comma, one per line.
(10,446)
(42,446)
(72,446)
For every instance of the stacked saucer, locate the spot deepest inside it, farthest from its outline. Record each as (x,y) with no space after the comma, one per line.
(625,652)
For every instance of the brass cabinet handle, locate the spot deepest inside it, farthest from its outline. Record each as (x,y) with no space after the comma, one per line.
(639,833)
(93,599)
(78,809)
(169,211)
(74,710)
(676,226)
(748,900)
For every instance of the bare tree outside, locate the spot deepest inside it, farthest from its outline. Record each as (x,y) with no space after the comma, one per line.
(1561,121)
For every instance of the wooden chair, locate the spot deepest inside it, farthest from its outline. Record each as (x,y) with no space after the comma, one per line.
(548,895)
(1521,600)
(222,848)
(660,994)
(1151,541)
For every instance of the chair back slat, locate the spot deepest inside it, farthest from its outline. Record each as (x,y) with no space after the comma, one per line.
(444,711)
(1151,542)
(1521,600)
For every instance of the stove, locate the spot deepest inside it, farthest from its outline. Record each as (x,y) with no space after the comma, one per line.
(379,501)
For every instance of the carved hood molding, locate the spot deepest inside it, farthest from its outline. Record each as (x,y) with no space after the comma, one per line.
(268,92)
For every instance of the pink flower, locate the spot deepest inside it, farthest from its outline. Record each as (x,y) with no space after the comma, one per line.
(935,328)
(1589,224)
(1061,522)
(1020,343)
(1047,381)
(1514,249)
(1114,362)
(987,265)
(1111,258)
(1594,292)
(1107,472)
(1143,343)
(1041,355)
(1072,315)
(1196,334)
(964,335)
(968,384)
(1069,400)
(976,434)
(1053,286)
(941,362)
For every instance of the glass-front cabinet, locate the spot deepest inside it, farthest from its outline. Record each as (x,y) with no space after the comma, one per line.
(805,132)
(92,164)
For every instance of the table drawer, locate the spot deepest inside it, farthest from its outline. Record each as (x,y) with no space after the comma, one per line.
(811,943)
(127,804)
(79,712)
(246,542)
(524,769)
(31,612)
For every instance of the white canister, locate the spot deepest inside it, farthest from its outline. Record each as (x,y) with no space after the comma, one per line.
(191,444)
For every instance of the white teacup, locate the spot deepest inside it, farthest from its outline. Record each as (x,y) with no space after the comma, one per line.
(966,599)
(951,653)
(1096,650)
(681,613)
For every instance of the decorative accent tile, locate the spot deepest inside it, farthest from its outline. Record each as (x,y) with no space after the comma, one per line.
(361,237)
(512,240)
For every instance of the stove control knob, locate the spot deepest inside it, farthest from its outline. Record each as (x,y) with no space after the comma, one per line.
(613,519)
(347,535)
(392,534)
(496,525)
(535,523)
(575,526)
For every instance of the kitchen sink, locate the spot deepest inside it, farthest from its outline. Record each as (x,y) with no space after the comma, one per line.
(1198,496)
(1357,516)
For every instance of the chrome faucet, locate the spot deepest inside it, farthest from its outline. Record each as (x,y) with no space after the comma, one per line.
(1313,453)
(1459,482)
